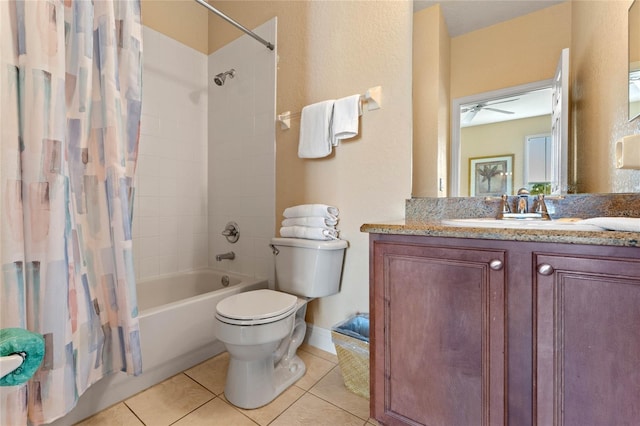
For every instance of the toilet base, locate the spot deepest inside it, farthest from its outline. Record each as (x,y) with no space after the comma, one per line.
(260,384)
(287,376)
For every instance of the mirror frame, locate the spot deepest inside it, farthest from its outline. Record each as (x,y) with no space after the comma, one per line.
(456,104)
(635,46)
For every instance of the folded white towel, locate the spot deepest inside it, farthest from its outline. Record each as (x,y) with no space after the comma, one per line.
(313,221)
(304,210)
(309,233)
(345,118)
(628,224)
(315,130)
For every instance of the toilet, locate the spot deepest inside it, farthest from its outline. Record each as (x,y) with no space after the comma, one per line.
(262,329)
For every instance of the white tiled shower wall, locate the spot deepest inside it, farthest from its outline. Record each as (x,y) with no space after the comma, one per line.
(242,153)
(198,169)
(170,206)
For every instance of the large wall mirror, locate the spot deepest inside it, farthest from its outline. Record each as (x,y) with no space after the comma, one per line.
(528,122)
(516,52)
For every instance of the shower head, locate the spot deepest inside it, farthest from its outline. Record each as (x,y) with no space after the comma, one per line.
(220,78)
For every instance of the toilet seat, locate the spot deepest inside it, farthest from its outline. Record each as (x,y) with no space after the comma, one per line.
(256,307)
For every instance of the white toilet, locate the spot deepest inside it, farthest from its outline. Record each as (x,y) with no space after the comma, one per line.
(262,329)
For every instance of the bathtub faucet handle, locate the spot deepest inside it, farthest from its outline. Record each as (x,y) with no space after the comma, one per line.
(231,232)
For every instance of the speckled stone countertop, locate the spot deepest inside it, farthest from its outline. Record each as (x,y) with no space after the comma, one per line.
(423,216)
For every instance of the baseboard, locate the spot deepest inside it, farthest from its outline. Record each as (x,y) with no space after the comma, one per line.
(319,338)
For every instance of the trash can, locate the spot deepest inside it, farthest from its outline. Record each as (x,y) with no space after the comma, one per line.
(351,339)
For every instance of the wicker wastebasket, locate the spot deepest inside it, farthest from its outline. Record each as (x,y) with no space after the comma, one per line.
(351,339)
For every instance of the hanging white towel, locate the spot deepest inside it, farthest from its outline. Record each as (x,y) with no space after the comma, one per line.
(313,221)
(308,233)
(315,130)
(346,112)
(303,210)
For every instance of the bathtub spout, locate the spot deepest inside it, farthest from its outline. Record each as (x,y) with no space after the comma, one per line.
(230,255)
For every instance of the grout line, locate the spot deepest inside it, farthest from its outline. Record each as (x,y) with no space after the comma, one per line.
(199,406)
(133,412)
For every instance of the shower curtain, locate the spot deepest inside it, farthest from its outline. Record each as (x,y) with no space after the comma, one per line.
(70,97)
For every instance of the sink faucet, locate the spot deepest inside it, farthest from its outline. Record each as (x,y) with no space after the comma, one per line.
(230,255)
(521,207)
(539,206)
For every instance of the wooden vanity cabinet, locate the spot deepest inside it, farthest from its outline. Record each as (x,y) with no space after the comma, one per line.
(438,334)
(587,335)
(483,332)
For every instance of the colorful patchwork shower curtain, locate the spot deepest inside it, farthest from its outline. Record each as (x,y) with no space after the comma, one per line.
(70,101)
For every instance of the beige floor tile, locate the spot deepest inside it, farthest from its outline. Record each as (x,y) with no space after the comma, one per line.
(212,373)
(319,352)
(117,415)
(311,410)
(373,422)
(264,415)
(215,413)
(316,369)
(168,401)
(331,388)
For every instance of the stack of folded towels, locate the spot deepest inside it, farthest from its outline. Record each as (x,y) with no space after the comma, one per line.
(311,222)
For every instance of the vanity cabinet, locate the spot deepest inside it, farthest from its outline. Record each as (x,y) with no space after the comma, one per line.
(587,340)
(487,332)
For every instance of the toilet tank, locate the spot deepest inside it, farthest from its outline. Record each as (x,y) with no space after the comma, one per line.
(308,268)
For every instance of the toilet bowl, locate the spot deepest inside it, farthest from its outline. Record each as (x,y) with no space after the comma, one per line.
(262,329)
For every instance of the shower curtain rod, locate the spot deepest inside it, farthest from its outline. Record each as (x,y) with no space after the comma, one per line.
(269,45)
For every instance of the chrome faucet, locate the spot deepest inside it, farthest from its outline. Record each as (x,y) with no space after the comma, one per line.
(230,255)
(521,207)
(539,206)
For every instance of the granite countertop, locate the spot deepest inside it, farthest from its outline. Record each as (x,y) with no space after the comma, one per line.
(424,217)
(437,229)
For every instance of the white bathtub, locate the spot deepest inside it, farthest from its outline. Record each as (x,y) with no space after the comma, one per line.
(176,333)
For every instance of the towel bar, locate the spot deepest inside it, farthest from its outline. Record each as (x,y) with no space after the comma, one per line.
(372,97)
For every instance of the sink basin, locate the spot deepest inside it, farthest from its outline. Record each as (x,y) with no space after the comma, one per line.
(563,225)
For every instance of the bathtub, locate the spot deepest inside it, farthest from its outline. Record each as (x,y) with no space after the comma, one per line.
(176,333)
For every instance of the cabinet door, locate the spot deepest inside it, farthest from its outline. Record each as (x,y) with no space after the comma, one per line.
(587,348)
(438,335)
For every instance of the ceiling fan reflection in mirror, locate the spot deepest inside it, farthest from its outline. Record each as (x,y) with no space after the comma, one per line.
(469,111)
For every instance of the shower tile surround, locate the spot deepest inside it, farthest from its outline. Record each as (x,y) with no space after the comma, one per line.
(207,156)
(241,154)
(170,205)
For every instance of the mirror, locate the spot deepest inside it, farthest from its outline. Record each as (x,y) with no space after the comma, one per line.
(634,60)
(504,122)
(516,52)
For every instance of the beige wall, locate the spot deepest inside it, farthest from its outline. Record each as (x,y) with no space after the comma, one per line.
(182,20)
(431,114)
(599,94)
(519,51)
(327,50)
(507,137)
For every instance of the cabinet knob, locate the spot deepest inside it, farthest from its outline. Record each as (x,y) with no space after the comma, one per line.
(496,264)
(545,269)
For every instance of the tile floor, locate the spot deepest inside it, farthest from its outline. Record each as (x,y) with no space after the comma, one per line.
(195,397)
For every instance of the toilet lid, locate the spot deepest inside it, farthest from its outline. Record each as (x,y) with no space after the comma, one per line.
(257,306)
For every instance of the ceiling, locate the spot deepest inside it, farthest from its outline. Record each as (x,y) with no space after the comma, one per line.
(530,104)
(464,16)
